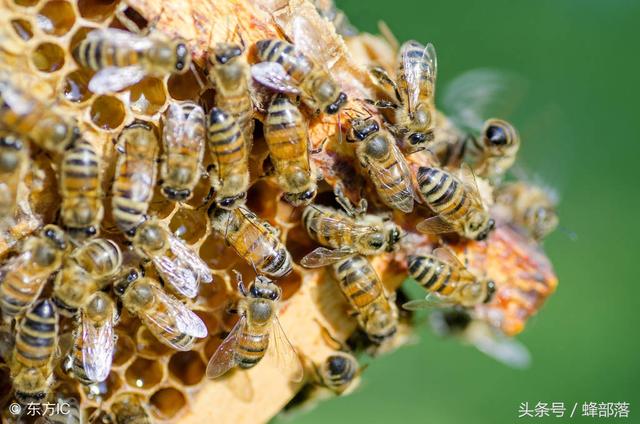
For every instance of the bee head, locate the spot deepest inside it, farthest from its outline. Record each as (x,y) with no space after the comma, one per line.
(128,277)
(499,133)
(375,241)
(56,235)
(337,365)
(176,195)
(479,225)
(224,52)
(232,202)
(183,57)
(542,220)
(10,158)
(362,128)
(264,288)
(380,326)
(452,321)
(334,107)
(394,234)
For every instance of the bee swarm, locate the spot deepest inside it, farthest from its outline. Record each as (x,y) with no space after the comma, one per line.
(37,38)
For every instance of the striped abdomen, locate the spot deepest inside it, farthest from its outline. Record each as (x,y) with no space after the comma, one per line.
(236,100)
(100,257)
(328,227)
(297,65)
(175,336)
(252,345)
(358,281)
(101,53)
(444,194)
(80,187)
(135,176)
(37,336)
(339,370)
(433,274)
(77,359)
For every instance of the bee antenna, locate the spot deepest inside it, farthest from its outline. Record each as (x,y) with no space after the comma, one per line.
(339,129)
(194,71)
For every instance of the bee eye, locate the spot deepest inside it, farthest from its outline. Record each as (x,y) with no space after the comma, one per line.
(91,231)
(496,135)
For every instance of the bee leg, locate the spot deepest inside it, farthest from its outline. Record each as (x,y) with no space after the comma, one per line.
(273,230)
(381,77)
(342,199)
(320,148)
(382,104)
(241,287)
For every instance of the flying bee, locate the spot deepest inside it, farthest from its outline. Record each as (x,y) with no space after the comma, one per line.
(14,163)
(287,70)
(353,232)
(184,141)
(229,171)
(168,319)
(87,269)
(414,92)
(33,355)
(94,340)
(458,322)
(253,239)
(257,332)
(531,207)
(176,263)
(26,115)
(286,135)
(230,73)
(129,409)
(377,152)
(24,276)
(123,58)
(81,190)
(457,203)
(377,315)
(447,280)
(135,176)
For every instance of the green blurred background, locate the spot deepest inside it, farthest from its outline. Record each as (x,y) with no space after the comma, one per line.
(579,122)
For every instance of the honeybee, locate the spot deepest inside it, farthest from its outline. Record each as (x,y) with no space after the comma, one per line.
(33,355)
(340,370)
(287,70)
(24,276)
(86,270)
(14,161)
(168,319)
(257,332)
(94,340)
(447,280)
(456,202)
(377,152)
(135,176)
(414,92)
(175,262)
(129,409)
(376,314)
(253,239)
(529,206)
(353,232)
(458,322)
(184,141)
(123,58)
(229,171)
(26,115)
(285,132)
(230,73)
(81,190)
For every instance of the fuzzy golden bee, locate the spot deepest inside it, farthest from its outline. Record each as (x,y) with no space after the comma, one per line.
(81,190)
(14,163)
(338,372)
(122,58)
(377,152)
(285,69)
(34,352)
(87,269)
(168,319)
(377,314)
(253,239)
(178,266)
(447,280)
(94,340)
(135,176)
(414,93)
(285,132)
(530,207)
(25,275)
(257,332)
(129,409)
(183,138)
(229,172)
(456,201)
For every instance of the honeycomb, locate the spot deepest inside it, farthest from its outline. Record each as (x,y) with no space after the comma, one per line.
(36,39)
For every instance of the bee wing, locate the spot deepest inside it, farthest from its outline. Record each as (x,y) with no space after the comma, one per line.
(175,321)
(445,254)
(430,301)
(382,174)
(274,76)
(184,280)
(97,349)
(287,359)
(113,79)
(120,38)
(414,72)
(468,178)
(19,103)
(322,257)
(190,259)
(434,225)
(224,357)
(500,347)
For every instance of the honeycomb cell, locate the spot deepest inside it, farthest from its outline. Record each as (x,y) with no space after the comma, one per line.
(75,86)
(190,225)
(298,243)
(56,17)
(48,57)
(211,346)
(147,97)
(290,284)
(144,373)
(161,206)
(261,199)
(26,3)
(148,346)
(213,326)
(167,403)
(97,10)
(187,367)
(183,86)
(125,348)
(23,28)
(215,252)
(107,112)
(106,389)
(213,296)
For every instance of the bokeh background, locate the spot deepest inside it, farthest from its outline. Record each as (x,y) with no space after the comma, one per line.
(579,123)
